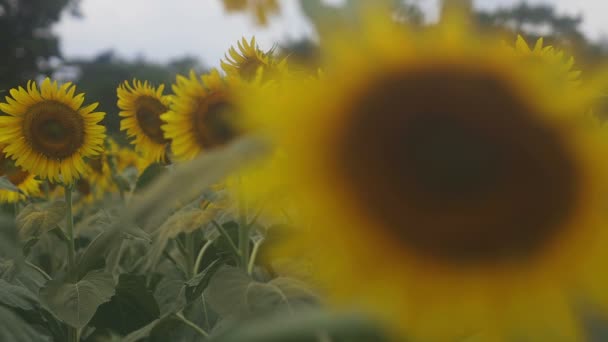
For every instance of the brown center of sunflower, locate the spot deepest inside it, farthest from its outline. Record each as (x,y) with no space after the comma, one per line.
(455,165)
(149,110)
(53,129)
(14,173)
(213,121)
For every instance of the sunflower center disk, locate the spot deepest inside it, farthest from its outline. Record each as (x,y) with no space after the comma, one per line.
(54,129)
(458,167)
(212,122)
(148,115)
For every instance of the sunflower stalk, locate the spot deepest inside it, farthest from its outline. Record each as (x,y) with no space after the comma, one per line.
(72,332)
(69,227)
(244,230)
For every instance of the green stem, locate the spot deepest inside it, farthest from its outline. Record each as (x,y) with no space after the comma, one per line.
(243,233)
(69,220)
(199,257)
(254,253)
(192,325)
(227,237)
(40,270)
(70,227)
(189,254)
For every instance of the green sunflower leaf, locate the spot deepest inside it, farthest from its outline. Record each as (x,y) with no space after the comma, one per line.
(37,219)
(75,303)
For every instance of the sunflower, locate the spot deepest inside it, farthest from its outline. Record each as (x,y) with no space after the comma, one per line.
(453,191)
(141,106)
(260,8)
(202,114)
(100,174)
(549,56)
(250,60)
(23,180)
(48,132)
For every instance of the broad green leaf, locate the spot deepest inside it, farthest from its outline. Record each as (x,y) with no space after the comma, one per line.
(14,329)
(16,296)
(227,291)
(76,303)
(198,283)
(150,174)
(6,184)
(279,295)
(132,307)
(36,219)
(232,293)
(170,293)
(10,246)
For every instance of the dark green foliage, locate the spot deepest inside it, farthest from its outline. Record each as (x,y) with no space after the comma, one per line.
(132,306)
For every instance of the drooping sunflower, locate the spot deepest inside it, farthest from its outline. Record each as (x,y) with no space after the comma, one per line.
(551,57)
(141,106)
(250,60)
(260,8)
(48,132)
(202,114)
(453,191)
(23,180)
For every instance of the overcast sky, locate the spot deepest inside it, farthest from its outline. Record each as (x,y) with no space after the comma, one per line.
(162,29)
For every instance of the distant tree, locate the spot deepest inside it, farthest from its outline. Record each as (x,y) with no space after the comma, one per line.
(26,41)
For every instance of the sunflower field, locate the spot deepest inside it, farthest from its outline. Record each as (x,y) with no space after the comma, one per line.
(438,182)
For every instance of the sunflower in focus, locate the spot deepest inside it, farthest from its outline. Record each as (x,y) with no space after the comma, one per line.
(141,106)
(549,56)
(202,114)
(260,8)
(47,131)
(23,180)
(478,185)
(250,60)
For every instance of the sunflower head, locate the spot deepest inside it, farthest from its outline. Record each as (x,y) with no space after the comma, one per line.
(474,179)
(259,8)
(141,106)
(203,113)
(23,180)
(48,132)
(250,62)
(554,60)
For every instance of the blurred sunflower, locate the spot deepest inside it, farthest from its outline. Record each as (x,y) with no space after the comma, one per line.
(100,174)
(548,55)
(260,8)
(23,180)
(250,60)
(453,191)
(141,106)
(202,114)
(48,132)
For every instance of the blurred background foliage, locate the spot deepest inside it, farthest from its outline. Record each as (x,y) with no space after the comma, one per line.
(30,50)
